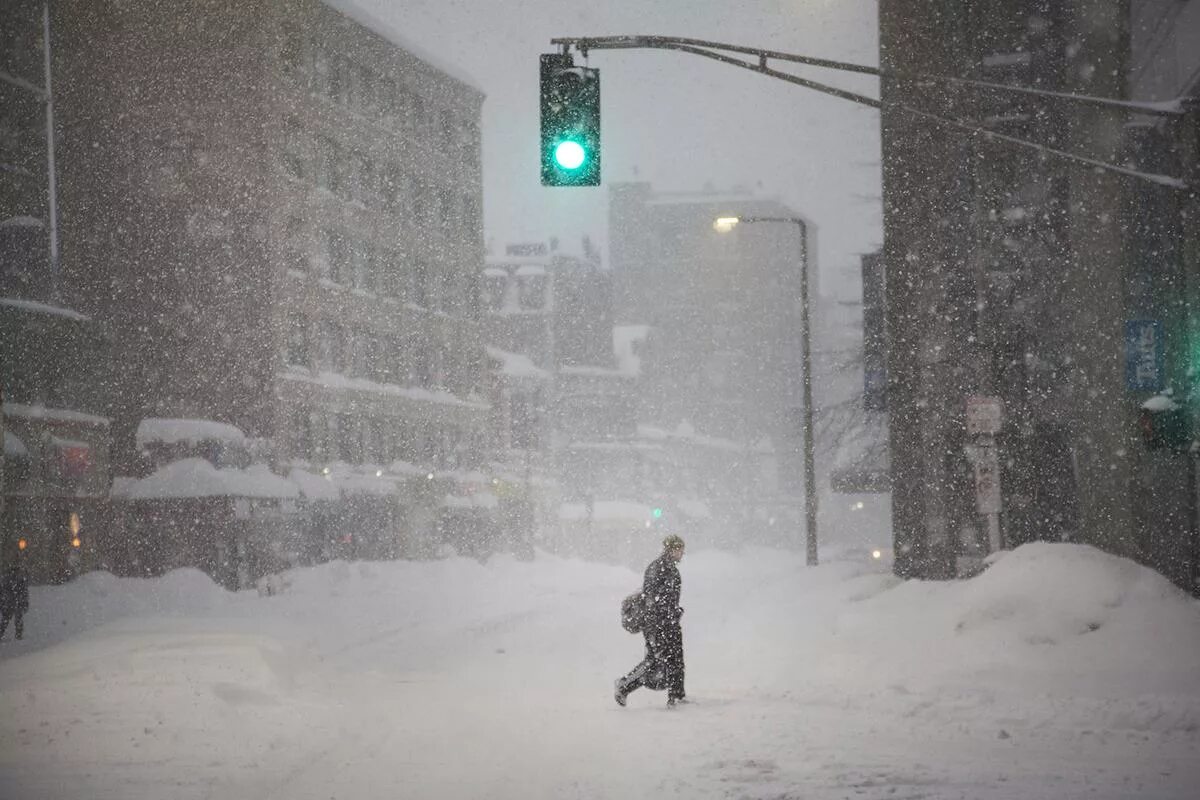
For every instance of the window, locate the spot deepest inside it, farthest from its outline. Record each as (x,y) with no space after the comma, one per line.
(348,439)
(323,257)
(300,432)
(358,266)
(493,291)
(330,346)
(323,164)
(296,345)
(291,49)
(532,292)
(418,290)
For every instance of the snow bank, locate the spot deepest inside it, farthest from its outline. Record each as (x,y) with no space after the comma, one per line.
(1060,671)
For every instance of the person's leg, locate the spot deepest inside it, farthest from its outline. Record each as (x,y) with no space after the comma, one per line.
(4,622)
(20,625)
(673,656)
(644,674)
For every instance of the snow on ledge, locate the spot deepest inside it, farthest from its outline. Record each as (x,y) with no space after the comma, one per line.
(53,414)
(42,308)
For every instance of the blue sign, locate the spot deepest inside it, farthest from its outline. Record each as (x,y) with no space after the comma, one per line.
(1145,362)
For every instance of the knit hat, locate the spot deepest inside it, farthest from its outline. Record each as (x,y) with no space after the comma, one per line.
(673,542)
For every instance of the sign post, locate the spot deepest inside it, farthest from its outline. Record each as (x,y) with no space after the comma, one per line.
(985,417)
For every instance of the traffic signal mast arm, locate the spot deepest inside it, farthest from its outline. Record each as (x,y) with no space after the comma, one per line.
(719,51)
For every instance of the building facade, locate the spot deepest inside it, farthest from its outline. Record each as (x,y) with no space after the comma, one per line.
(275,213)
(54,473)
(1009,277)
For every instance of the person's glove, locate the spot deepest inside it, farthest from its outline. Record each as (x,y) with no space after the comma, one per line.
(678,612)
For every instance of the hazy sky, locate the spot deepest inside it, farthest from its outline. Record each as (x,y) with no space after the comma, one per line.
(676,120)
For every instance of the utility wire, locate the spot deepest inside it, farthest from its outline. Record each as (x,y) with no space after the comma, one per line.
(705,49)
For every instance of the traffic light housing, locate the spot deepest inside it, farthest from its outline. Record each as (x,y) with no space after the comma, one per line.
(570,141)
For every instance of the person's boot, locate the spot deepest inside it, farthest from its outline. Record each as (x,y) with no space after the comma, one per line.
(619,693)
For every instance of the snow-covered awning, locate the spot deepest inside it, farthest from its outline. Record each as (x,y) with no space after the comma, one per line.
(195,477)
(191,431)
(531,271)
(517,365)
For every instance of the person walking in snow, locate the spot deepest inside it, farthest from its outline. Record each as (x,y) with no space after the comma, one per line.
(14,594)
(662,668)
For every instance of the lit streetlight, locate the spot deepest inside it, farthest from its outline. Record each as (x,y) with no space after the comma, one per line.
(725,225)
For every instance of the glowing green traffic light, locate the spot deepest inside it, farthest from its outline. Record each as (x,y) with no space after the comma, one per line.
(569,154)
(657,513)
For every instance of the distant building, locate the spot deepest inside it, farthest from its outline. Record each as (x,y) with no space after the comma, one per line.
(724,311)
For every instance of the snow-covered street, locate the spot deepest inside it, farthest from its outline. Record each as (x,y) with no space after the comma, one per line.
(1061,672)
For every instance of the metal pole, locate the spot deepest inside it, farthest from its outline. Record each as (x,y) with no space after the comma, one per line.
(810,476)
(52,180)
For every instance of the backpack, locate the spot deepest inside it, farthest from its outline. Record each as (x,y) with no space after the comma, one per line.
(633,613)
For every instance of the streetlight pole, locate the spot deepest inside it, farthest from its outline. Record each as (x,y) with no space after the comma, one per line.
(723,225)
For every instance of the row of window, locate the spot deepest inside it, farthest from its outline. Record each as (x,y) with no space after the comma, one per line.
(402,359)
(361,265)
(329,436)
(498,292)
(356,177)
(363,90)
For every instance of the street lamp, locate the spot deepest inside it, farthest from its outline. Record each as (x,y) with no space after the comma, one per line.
(724,225)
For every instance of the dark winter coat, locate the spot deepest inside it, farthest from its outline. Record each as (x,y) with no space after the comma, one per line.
(660,591)
(14,591)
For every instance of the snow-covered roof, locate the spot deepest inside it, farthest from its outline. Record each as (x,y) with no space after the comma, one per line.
(195,477)
(165,430)
(517,365)
(42,308)
(367,19)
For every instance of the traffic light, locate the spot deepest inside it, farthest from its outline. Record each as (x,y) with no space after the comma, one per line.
(570,99)
(657,512)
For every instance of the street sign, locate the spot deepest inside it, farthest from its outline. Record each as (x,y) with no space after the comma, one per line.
(985,415)
(1144,355)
